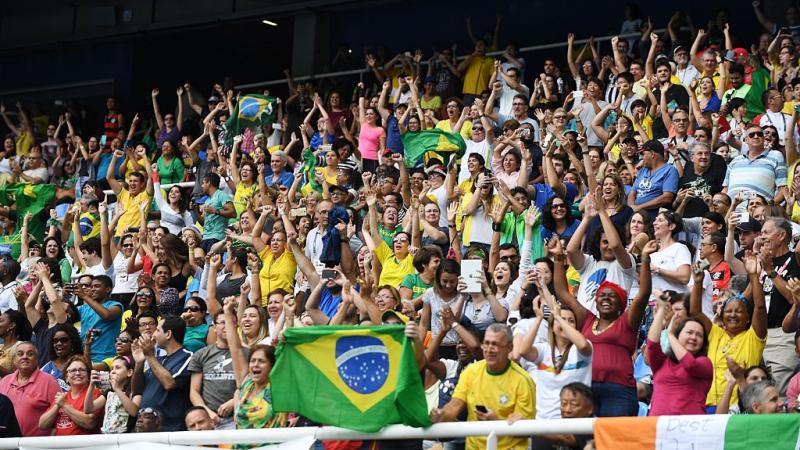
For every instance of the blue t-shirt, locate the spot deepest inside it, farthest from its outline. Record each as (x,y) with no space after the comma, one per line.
(328,302)
(103,344)
(649,186)
(175,402)
(102,166)
(393,141)
(568,232)
(284,179)
(544,193)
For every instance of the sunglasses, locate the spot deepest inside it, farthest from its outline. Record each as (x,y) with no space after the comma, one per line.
(559,206)
(754,134)
(477,128)
(127,245)
(144,294)
(123,340)
(191,309)
(61,340)
(400,240)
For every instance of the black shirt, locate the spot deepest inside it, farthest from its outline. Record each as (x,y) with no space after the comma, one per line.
(710,182)
(9,427)
(788,268)
(676,96)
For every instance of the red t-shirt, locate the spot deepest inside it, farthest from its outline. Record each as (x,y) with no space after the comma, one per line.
(720,278)
(613,350)
(65,426)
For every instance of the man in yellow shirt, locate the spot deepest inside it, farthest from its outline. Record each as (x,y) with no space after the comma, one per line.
(493,389)
(279,266)
(477,70)
(138,194)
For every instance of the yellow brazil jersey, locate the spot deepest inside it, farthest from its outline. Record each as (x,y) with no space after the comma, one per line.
(277,272)
(478,74)
(745,348)
(393,271)
(511,391)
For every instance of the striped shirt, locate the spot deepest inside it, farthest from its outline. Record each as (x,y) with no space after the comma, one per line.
(762,174)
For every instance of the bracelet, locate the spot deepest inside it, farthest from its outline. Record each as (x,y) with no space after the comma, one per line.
(450,226)
(497,226)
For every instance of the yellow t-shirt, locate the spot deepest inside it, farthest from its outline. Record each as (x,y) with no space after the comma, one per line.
(393,271)
(434,103)
(129,169)
(795,216)
(477,75)
(24,143)
(466,128)
(512,391)
(241,193)
(130,218)
(276,273)
(745,348)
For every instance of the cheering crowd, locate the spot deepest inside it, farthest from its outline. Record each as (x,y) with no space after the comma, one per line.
(616,236)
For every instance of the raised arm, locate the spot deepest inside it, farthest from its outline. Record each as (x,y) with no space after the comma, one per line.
(156,110)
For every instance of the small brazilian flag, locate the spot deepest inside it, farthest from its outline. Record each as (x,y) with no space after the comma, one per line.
(417,143)
(251,110)
(361,378)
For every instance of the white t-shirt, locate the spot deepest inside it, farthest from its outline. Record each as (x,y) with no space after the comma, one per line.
(7,298)
(124,282)
(99,270)
(593,273)
(578,368)
(778,120)
(670,258)
(441,199)
(507,97)
(482,148)
(522,327)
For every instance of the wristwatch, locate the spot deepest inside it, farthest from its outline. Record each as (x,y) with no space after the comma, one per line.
(455,325)
(772,274)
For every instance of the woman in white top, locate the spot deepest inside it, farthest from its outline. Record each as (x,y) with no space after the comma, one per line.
(564,359)
(127,268)
(671,264)
(174,215)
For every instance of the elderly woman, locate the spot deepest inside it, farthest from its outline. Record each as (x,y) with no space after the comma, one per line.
(29,389)
(80,409)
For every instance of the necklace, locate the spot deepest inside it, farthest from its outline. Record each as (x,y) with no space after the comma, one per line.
(596,327)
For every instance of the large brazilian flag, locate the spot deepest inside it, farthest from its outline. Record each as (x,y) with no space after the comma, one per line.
(251,110)
(29,198)
(362,378)
(444,143)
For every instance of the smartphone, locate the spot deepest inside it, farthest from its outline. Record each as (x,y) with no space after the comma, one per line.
(481,408)
(744,217)
(470,268)
(328,274)
(577,96)
(277,126)
(103,140)
(299,212)
(103,382)
(326,147)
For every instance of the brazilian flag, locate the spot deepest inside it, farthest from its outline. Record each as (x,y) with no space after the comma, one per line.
(444,143)
(361,378)
(250,111)
(310,169)
(29,198)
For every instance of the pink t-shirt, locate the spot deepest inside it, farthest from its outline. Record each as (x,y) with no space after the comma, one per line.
(793,391)
(369,141)
(678,387)
(30,399)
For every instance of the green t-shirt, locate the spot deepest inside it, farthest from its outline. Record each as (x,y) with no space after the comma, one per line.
(388,235)
(214,224)
(416,284)
(170,173)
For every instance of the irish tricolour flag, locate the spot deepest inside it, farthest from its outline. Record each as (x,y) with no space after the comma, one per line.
(713,432)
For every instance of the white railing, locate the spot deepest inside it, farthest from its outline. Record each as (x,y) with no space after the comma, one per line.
(529,49)
(492,429)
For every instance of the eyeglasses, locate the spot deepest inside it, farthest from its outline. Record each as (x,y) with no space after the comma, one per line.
(147,324)
(560,117)
(85,285)
(191,309)
(61,340)
(78,370)
(755,134)
(123,340)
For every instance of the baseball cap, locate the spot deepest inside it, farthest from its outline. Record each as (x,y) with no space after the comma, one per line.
(213,99)
(392,313)
(740,52)
(750,225)
(679,48)
(436,170)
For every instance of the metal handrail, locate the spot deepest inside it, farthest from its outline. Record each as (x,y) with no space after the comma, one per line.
(528,49)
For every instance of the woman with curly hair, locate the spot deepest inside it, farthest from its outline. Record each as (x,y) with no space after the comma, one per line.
(65,342)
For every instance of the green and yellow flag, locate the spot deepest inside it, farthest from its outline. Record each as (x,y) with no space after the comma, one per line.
(251,110)
(310,169)
(444,143)
(29,198)
(361,378)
